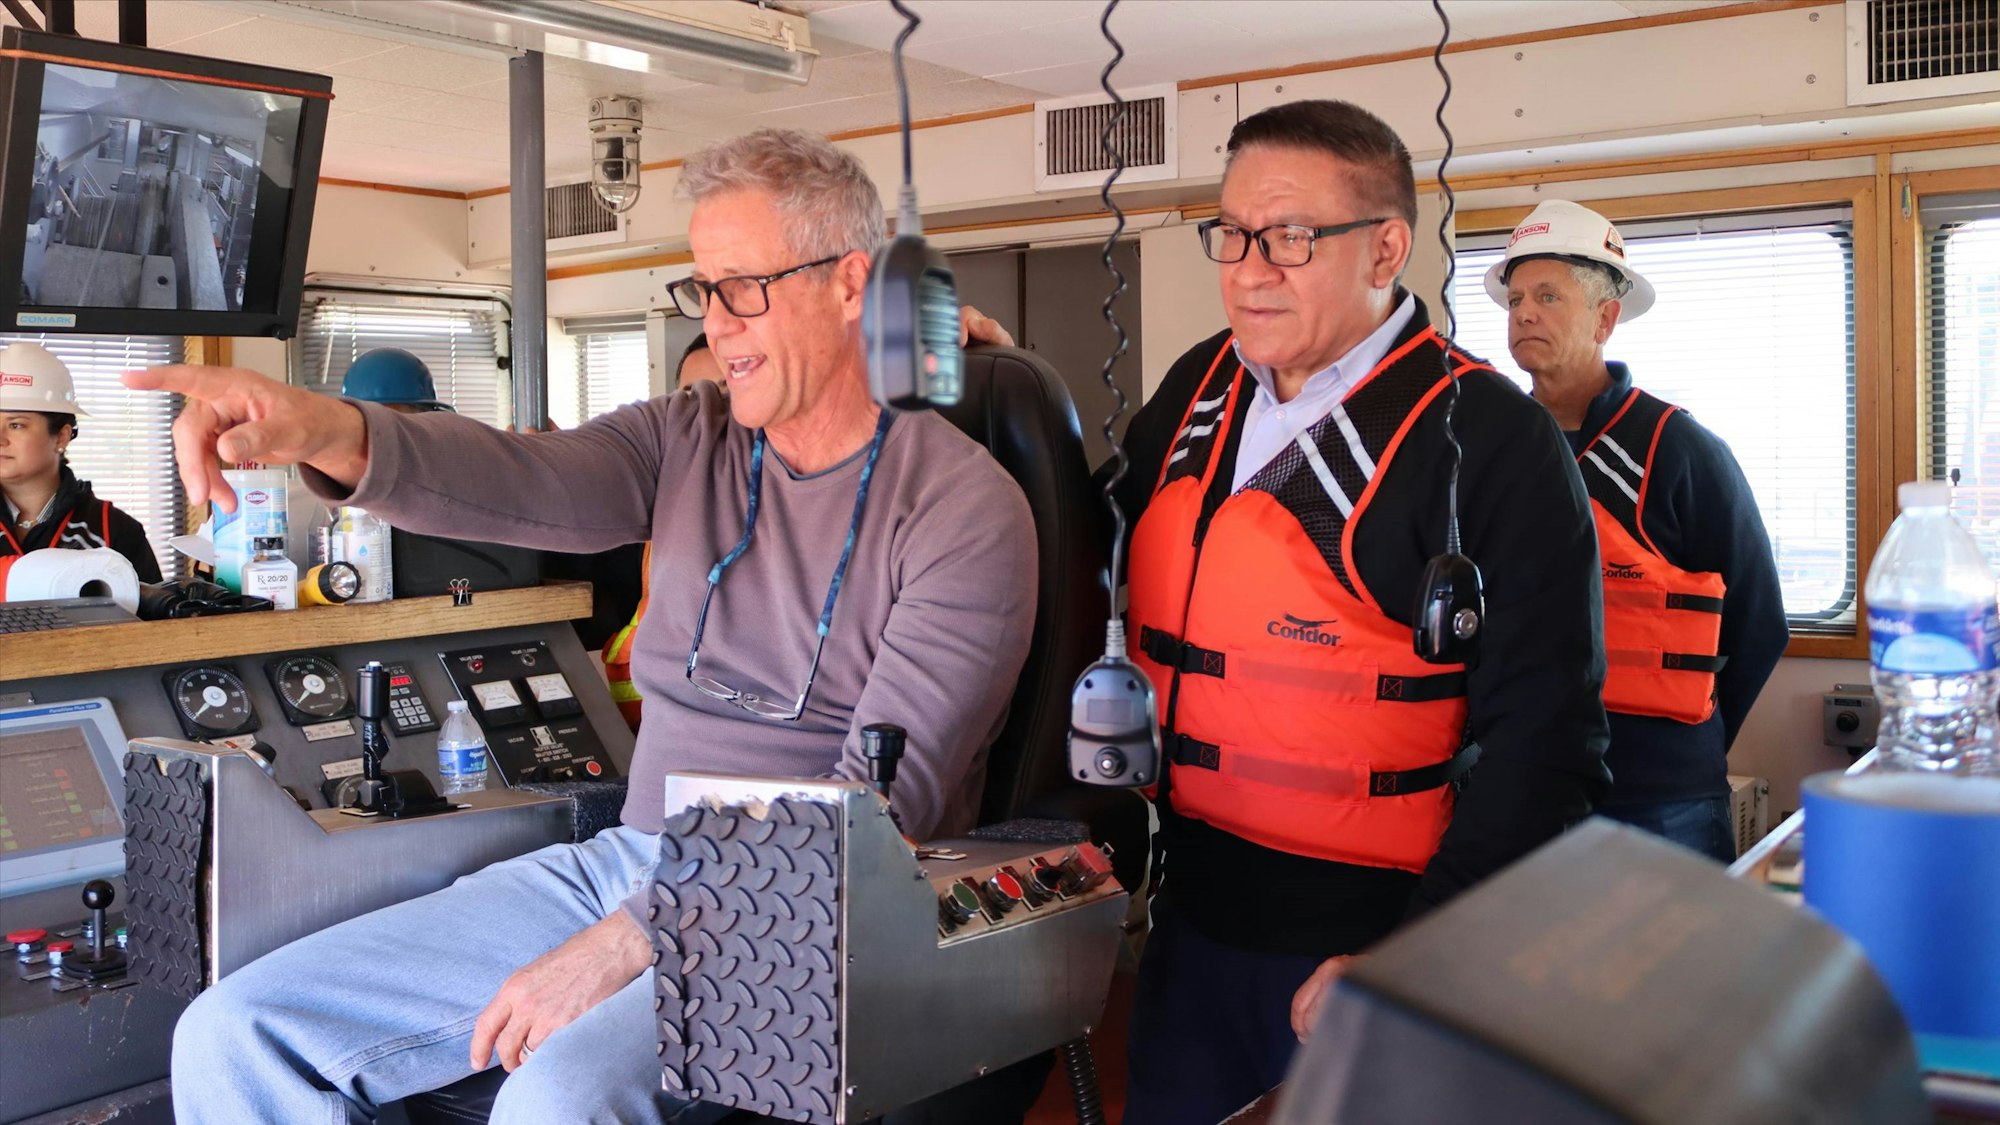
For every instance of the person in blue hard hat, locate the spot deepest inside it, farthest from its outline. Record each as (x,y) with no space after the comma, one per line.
(394,378)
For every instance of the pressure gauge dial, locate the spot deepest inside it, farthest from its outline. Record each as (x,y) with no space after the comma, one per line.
(211,701)
(310,689)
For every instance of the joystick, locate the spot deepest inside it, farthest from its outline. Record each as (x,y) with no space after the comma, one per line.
(398,794)
(882,745)
(98,963)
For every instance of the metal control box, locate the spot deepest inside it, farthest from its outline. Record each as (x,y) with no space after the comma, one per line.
(813,965)
(1849,716)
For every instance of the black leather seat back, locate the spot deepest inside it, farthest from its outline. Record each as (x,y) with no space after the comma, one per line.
(1019,409)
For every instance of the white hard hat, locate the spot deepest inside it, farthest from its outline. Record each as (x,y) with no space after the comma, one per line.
(1572,232)
(33,380)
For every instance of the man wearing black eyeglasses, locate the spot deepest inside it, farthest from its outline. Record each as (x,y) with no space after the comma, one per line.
(818,564)
(1291,479)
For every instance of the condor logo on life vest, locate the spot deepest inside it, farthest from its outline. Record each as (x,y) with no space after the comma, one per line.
(1623,570)
(1299,629)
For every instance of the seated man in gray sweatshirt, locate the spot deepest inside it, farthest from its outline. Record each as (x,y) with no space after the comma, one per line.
(818,564)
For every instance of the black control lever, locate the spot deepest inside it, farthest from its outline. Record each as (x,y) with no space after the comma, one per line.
(882,744)
(395,794)
(100,963)
(371,701)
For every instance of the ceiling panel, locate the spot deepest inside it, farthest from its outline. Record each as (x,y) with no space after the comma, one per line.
(424,66)
(411,113)
(279,42)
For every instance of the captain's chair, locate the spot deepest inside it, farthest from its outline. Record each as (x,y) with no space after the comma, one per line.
(1016,406)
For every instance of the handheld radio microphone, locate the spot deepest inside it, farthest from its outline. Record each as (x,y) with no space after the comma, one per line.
(909,314)
(1114,726)
(1451,598)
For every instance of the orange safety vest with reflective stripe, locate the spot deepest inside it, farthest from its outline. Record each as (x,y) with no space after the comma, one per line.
(618,650)
(1662,624)
(73,532)
(1297,715)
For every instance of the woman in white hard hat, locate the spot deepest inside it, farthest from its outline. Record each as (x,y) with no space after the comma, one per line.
(46,505)
(1694,620)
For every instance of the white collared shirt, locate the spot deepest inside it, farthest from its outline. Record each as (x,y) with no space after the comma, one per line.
(1269,425)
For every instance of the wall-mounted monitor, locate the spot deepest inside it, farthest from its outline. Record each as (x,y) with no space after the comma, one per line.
(145,192)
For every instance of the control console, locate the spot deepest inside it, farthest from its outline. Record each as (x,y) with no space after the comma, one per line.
(533,721)
(799,936)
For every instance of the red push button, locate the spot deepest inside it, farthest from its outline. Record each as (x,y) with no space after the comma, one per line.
(61,946)
(25,937)
(1004,891)
(592,768)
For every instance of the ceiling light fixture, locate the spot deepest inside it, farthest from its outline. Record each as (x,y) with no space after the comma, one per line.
(614,151)
(718,42)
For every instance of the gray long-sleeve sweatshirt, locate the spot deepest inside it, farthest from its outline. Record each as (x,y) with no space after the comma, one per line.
(929,632)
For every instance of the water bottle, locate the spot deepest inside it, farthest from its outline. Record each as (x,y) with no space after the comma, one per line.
(362,541)
(1934,638)
(461,751)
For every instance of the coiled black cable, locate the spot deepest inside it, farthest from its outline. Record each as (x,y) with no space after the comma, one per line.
(1119,462)
(910,22)
(1082,1071)
(1451,541)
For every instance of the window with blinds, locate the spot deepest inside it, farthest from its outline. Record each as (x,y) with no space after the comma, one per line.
(1753,335)
(1962,307)
(610,372)
(457,338)
(125,445)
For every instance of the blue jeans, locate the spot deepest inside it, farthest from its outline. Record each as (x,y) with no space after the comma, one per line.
(337,1024)
(1701,824)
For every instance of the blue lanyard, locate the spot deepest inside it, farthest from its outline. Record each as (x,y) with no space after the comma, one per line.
(853,526)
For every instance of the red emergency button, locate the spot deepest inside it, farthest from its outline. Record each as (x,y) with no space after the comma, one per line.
(592,768)
(1004,891)
(25,937)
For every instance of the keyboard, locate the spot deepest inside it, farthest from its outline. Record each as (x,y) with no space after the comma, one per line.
(60,613)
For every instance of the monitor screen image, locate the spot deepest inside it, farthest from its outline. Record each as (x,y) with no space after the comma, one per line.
(62,794)
(51,792)
(145,189)
(146,192)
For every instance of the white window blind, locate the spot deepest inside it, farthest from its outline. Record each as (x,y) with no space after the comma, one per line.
(610,371)
(125,446)
(457,338)
(1962,238)
(1753,335)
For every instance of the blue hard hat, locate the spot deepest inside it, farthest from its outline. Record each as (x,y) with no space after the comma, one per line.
(391,376)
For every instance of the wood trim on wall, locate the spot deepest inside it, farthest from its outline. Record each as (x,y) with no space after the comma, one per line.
(621,265)
(207,351)
(1575,31)
(400,189)
(1716,201)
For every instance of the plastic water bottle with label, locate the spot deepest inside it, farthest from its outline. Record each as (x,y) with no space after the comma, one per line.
(362,541)
(1934,638)
(461,751)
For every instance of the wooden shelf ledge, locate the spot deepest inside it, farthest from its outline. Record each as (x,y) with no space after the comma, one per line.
(103,648)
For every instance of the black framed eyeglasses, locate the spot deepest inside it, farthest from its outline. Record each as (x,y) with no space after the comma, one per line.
(751,702)
(742,296)
(1283,244)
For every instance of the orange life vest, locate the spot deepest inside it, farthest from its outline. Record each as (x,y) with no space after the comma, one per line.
(1662,624)
(618,650)
(1296,714)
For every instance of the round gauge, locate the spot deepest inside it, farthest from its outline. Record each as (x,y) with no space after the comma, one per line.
(310,688)
(211,701)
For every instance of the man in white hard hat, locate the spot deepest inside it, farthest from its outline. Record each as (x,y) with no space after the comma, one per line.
(47,506)
(1693,617)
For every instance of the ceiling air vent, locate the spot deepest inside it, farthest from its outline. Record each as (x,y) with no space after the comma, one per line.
(1069,139)
(576,218)
(1901,50)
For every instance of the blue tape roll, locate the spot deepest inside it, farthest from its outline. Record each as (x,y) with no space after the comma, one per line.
(1908,865)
